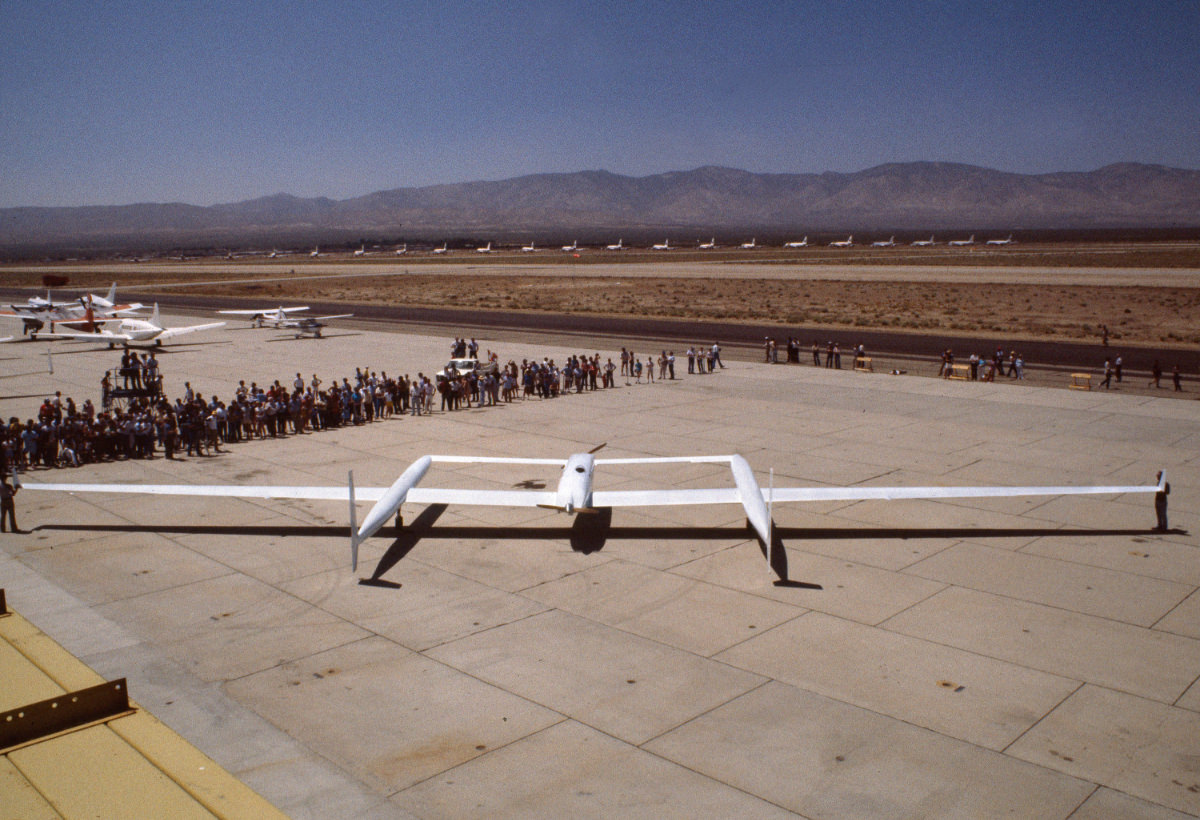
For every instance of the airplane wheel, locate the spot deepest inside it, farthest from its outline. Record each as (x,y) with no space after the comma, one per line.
(158,342)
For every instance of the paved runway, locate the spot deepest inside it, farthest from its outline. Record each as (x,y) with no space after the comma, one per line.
(1008,657)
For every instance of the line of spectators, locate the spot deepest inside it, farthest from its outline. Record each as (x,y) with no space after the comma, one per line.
(67,435)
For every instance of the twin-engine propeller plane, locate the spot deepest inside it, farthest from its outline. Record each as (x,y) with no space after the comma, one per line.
(575,494)
(310,325)
(265,316)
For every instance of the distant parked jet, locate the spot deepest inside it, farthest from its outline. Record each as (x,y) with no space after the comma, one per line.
(803,243)
(486,249)
(574,246)
(959,243)
(923,243)
(890,243)
(665,246)
(709,245)
(1008,241)
(616,247)
(751,245)
(845,243)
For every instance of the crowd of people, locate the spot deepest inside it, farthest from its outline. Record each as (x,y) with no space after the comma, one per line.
(986,370)
(150,424)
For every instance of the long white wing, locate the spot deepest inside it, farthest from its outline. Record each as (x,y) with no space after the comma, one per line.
(266,313)
(486,498)
(894,493)
(219,490)
(172,332)
(557,462)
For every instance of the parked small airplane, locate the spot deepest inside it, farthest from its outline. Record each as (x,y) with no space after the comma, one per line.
(959,243)
(310,325)
(37,312)
(442,249)
(261,318)
(890,243)
(574,493)
(665,246)
(616,247)
(845,243)
(106,305)
(1008,241)
(486,249)
(923,243)
(137,331)
(803,243)
(528,248)
(709,245)
(403,249)
(572,248)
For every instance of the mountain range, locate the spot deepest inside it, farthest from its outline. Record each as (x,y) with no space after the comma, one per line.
(916,196)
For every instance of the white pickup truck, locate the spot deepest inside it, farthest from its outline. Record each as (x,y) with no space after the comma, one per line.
(461,367)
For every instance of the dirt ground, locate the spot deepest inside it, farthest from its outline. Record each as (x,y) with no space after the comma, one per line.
(1145,295)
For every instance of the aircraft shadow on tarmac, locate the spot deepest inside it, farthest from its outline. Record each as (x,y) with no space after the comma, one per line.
(589,533)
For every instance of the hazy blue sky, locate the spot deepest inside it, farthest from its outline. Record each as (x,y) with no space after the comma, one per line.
(119,102)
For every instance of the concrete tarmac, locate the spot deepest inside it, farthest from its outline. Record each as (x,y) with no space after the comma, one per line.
(1033,657)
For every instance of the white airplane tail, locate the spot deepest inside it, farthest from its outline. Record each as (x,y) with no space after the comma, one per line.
(354,539)
(154,320)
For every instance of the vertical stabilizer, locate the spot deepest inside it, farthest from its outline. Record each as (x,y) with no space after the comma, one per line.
(353,524)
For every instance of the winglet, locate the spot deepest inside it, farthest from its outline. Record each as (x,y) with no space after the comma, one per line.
(353,524)
(1162,480)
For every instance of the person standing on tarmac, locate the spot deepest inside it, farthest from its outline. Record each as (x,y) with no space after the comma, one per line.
(8,506)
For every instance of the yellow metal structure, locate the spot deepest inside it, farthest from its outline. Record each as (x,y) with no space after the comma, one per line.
(130,765)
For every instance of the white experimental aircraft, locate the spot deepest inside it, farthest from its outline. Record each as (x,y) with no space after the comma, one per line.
(575,494)
(890,243)
(923,243)
(665,246)
(263,317)
(961,243)
(803,243)
(844,243)
(617,247)
(136,331)
(1008,241)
